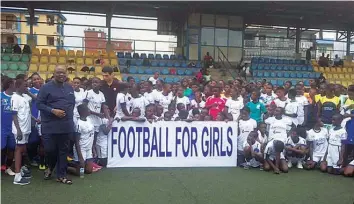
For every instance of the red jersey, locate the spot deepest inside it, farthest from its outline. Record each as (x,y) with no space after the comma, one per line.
(214,111)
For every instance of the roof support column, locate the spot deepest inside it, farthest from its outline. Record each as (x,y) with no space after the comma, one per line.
(30,41)
(109,46)
(297,43)
(348,56)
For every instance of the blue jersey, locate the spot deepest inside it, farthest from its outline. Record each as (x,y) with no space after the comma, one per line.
(35,110)
(349,127)
(6,114)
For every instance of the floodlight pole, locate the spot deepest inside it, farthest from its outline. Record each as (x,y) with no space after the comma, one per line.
(109,46)
(30,40)
(348,42)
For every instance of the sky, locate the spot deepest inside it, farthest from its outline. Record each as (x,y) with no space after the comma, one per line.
(92,21)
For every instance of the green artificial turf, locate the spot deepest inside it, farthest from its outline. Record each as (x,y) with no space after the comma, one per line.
(184,185)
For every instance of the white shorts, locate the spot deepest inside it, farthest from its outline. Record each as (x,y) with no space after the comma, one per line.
(317,159)
(296,159)
(272,158)
(24,139)
(86,154)
(102,151)
(333,156)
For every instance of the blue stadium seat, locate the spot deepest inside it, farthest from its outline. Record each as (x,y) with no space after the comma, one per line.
(272,61)
(143,56)
(154,63)
(294,82)
(285,61)
(176,79)
(149,71)
(120,54)
(151,56)
(280,67)
(177,64)
(133,70)
(128,55)
(180,57)
(162,63)
(198,65)
(158,56)
(169,80)
(260,67)
(273,74)
(133,62)
(298,62)
(122,61)
(260,74)
(189,72)
(266,74)
(273,67)
(266,67)
(279,61)
(143,78)
(137,79)
(280,82)
(141,70)
(165,57)
(266,60)
(279,74)
(124,78)
(307,83)
(317,74)
(305,75)
(302,62)
(170,63)
(299,75)
(292,75)
(303,68)
(273,81)
(309,68)
(286,75)
(261,60)
(180,71)
(298,68)
(286,68)
(172,57)
(312,75)
(254,60)
(139,62)
(165,71)
(136,55)
(291,61)
(184,64)
(253,66)
(291,68)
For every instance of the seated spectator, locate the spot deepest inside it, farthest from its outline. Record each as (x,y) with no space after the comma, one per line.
(323,61)
(337,61)
(26,50)
(17,49)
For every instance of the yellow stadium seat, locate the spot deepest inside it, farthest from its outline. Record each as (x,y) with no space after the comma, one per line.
(104,54)
(333,70)
(90,76)
(79,53)
(105,61)
(345,83)
(71,76)
(51,68)
(79,61)
(335,76)
(44,60)
(339,70)
(345,70)
(100,77)
(352,76)
(88,53)
(341,76)
(62,60)
(43,75)
(53,60)
(96,54)
(62,52)
(34,59)
(114,62)
(44,51)
(98,69)
(35,51)
(112,55)
(33,68)
(71,53)
(53,52)
(321,69)
(329,76)
(316,69)
(119,77)
(80,74)
(347,76)
(350,70)
(338,82)
(43,68)
(88,61)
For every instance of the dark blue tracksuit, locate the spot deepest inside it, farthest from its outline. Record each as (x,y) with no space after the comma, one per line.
(56,131)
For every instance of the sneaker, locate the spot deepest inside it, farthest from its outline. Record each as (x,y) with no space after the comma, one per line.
(246,166)
(299,165)
(25,173)
(3,167)
(41,167)
(34,163)
(10,172)
(261,167)
(22,182)
(290,164)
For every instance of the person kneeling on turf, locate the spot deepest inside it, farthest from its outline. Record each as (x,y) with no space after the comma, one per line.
(295,148)
(83,143)
(349,170)
(252,151)
(274,157)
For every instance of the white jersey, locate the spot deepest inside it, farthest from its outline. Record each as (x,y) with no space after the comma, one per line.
(21,105)
(280,103)
(128,99)
(184,100)
(152,96)
(319,141)
(267,100)
(234,108)
(278,129)
(79,98)
(86,131)
(292,108)
(101,137)
(256,146)
(302,100)
(194,104)
(245,127)
(290,142)
(121,99)
(140,103)
(164,101)
(336,136)
(95,102)
(262,139)
(270,151)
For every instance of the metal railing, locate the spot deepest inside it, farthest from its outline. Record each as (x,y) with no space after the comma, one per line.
(226,65)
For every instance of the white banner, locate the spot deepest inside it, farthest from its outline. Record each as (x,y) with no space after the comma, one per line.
(172,144)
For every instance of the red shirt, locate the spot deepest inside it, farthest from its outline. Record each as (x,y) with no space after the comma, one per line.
(214,111)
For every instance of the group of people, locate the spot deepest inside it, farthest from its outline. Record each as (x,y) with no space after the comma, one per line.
(65,123)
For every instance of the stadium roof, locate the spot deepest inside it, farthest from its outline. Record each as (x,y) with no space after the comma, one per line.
(335,15)
(14,10)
